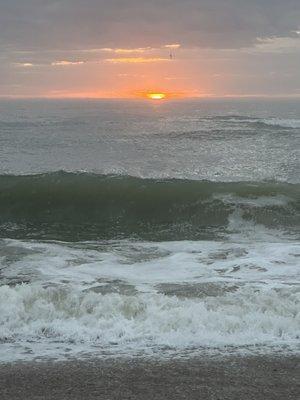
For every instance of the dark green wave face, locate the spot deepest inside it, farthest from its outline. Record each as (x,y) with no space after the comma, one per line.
(80,206)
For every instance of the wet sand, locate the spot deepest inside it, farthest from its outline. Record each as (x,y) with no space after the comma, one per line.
(216,379)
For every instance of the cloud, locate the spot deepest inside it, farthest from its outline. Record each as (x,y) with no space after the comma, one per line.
(135,60)
(172,46)
(131,76)
(65,63)
(280,45)
(176,78)
(25,65)
(240,39)
(127,51)
(125,24)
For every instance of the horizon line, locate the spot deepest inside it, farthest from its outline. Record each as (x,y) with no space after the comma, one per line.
(181,98)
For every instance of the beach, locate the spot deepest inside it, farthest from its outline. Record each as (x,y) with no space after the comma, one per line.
(232,378)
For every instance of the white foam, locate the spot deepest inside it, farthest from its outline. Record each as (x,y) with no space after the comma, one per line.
(31,314)
(145,265)
(285,123)
(61,307)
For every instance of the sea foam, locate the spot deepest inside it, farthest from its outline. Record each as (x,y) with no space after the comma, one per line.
(31,313)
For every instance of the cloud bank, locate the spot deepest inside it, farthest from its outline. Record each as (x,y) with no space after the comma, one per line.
(219,46)
(65,24)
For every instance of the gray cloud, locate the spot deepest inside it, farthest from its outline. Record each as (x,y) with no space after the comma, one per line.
(220,51)
(65,24)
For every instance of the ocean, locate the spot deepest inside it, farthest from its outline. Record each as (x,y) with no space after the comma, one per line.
(149,228)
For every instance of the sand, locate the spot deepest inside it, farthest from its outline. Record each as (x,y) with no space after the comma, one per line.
(241,378)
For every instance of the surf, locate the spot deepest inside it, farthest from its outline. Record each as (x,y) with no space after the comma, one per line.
(85,206)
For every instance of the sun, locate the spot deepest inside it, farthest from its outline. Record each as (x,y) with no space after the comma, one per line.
(156,96)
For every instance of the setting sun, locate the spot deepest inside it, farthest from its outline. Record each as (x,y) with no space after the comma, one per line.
(156,96)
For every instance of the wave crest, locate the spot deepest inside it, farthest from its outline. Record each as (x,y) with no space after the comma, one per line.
(88,206)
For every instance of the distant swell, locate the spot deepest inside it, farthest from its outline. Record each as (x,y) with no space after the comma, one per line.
(272,122)
(79,206)
(283,123)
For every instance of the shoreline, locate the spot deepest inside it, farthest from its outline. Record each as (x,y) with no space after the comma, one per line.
(268,377)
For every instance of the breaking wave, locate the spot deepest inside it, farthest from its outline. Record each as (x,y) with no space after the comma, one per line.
(245,317)
(79,206)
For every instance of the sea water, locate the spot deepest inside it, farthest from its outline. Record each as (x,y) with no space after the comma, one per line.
(148,228)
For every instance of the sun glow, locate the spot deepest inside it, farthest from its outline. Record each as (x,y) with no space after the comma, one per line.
(156,96)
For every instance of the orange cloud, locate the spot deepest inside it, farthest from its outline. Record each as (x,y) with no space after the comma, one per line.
(66,63)
(24,65)
(172,46)
(127,50)
(135,60)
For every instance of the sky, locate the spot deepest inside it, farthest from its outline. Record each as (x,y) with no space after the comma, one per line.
(128,48)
